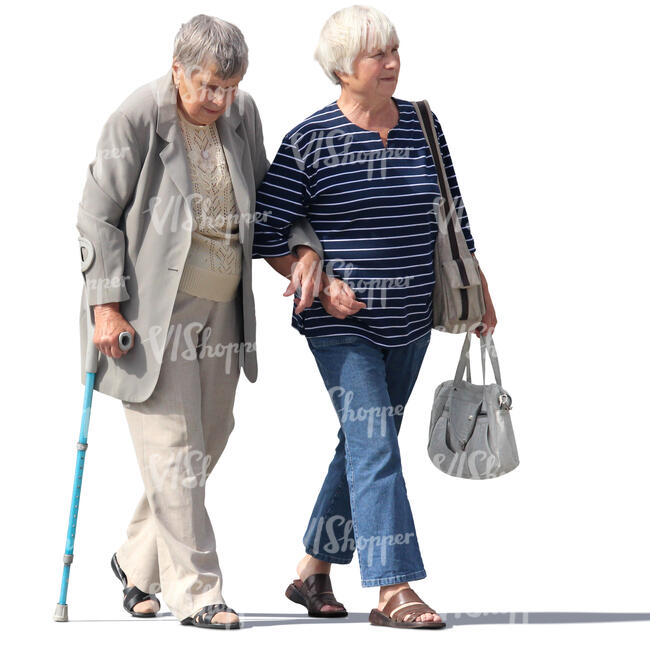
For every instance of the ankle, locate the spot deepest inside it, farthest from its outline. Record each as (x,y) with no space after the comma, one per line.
(388,591)
(310,565)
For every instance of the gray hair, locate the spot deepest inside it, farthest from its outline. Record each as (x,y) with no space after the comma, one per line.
(348,32)
(205,39)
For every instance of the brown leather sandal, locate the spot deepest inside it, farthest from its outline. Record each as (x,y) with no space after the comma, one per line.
(402,609)
(314,593)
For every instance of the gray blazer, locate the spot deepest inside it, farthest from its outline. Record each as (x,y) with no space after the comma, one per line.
(135,222)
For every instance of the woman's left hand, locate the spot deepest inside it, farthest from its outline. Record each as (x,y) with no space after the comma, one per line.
(305,275)
(488,321)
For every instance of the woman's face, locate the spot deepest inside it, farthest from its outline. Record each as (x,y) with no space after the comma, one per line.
(375,72)
(204,96)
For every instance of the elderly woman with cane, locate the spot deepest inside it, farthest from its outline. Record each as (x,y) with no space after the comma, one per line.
(361,171)
(166,236)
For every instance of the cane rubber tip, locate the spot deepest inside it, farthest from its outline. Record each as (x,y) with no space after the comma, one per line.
(61,613)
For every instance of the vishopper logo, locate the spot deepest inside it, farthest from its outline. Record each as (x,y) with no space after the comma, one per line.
(192,341)
(495,616)
(101,285)
(108,154)
(477,464)
(373,291)
(328,540)
(221,224)
(178,212)
(197,92)
(333,148)
(171,217)
(376,417)
(113,152)
(365,289)
(186,469)
(442,213)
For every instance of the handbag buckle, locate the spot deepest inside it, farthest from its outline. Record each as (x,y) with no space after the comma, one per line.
(505,401)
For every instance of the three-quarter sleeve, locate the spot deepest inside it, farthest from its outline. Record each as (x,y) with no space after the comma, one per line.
(453,186)
(282,199)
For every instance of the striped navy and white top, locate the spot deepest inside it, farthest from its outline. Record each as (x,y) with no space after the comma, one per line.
(372,209)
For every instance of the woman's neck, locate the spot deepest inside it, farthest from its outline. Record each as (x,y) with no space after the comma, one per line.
(372,113)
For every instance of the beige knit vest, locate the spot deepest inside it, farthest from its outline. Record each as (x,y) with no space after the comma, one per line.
(213,266)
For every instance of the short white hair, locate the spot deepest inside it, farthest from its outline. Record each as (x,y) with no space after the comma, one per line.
(348,32)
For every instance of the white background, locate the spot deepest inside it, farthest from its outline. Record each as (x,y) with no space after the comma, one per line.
(545,109)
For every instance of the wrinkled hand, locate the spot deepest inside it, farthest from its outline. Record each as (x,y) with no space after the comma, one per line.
(109,324)
(306,276)
(489,318)
(338,299)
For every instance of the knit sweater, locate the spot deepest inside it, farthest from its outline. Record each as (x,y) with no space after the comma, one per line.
(213,265)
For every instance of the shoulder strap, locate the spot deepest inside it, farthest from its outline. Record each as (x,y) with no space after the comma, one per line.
(428,126)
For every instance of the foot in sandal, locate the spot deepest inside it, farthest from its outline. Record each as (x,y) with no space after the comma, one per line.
(148,606)
(313,589)
(217,616)
(400,606)
(136,602)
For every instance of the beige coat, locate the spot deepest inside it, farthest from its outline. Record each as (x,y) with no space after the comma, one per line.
(136,218)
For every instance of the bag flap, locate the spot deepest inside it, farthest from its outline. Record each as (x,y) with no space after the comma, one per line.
(463,411)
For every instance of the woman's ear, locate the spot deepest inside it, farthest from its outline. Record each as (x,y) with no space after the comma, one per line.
(176,72)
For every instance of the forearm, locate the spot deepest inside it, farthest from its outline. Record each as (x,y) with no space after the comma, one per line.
(283,263)
(484,284)
(480,270)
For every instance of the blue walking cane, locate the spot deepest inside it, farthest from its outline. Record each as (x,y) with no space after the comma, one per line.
(124,340)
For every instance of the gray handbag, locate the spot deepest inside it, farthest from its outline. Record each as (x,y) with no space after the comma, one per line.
(458,300)
(470,433)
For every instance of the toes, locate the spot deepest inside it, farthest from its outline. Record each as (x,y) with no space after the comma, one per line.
(145,607)
(331,608)
(225,617)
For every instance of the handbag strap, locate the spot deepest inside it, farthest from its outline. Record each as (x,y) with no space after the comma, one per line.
(447,206)
(487,342)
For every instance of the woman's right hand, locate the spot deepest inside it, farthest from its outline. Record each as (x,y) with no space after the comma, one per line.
(337,298)
(109,324)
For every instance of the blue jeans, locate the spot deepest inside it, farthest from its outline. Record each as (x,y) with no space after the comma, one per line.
(363,503)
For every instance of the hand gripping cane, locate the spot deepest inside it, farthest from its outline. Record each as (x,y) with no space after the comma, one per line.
(125,340)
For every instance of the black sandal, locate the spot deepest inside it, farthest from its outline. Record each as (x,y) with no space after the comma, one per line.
(132,595)
(203,618)
(314,593)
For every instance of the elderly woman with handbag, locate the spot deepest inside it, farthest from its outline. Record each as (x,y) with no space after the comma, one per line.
(166,236)
(361,171)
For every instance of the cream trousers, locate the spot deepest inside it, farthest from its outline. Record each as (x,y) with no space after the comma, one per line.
(179,434)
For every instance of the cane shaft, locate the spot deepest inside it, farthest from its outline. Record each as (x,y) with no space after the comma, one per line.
(82,445)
